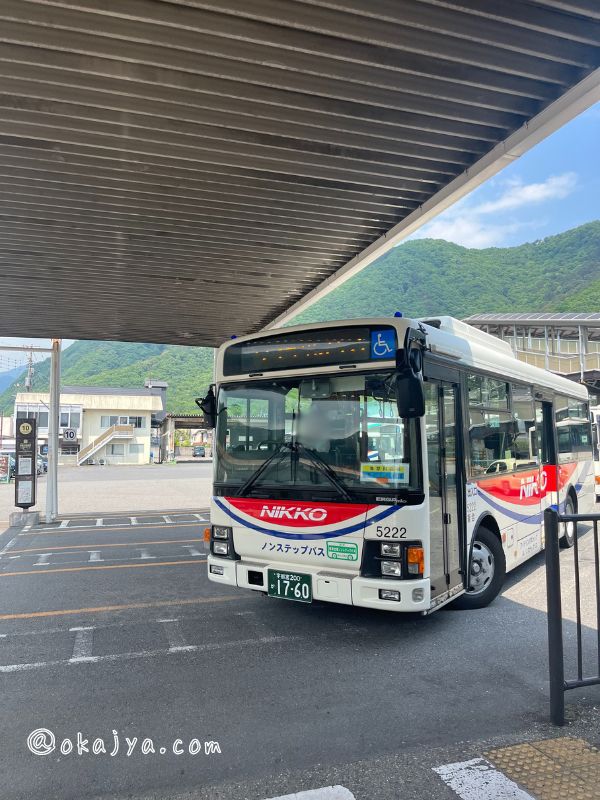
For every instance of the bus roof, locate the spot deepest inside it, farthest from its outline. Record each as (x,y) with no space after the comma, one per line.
(446,336)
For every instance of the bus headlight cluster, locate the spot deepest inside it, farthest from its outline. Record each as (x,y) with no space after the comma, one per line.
(390,549)
(221,541)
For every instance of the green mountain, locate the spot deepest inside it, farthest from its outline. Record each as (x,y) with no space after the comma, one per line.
(431,276)
(422,277)
(187,370)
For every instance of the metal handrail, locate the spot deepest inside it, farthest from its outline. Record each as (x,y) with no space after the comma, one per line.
(556,662)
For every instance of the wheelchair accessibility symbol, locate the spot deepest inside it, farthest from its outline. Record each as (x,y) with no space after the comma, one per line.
(383,344)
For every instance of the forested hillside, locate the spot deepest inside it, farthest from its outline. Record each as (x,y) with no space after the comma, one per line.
(427,276)
(560,273)
(187,370)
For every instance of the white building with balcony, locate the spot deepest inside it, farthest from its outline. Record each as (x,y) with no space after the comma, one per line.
(112,426)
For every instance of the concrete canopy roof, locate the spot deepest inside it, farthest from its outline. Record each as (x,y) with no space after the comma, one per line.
(181,170)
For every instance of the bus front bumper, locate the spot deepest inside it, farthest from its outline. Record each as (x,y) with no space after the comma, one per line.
(327,585)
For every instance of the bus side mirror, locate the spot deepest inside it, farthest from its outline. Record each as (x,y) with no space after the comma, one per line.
(208,406)
(410,395)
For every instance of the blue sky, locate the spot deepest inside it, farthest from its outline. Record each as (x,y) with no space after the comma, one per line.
(553,187)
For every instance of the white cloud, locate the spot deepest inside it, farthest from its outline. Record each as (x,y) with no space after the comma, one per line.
(554,188)
(469,224)
(468,231)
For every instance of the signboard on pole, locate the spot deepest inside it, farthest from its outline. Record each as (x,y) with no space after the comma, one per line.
(26,466)
(69,435)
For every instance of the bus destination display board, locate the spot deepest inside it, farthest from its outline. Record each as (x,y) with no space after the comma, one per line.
(308,349)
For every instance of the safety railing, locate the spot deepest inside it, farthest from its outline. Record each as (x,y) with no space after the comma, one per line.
(556,649)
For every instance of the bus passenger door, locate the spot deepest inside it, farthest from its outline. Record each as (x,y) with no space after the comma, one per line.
(441,417)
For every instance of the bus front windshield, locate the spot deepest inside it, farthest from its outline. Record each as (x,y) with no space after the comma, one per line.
(333,437)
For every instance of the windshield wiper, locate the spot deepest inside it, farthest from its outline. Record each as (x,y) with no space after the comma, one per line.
(245,488)
(324,468)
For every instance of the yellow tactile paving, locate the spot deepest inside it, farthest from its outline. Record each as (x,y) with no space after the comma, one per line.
(552,769)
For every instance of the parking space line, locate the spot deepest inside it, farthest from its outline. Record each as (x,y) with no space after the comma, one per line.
(103,566)
(175,637)
(42,560)
(64,523)
(478,780)
(82,528)
(103,544)
(192,550)
(325,793)
(82,646)
(195,648)
(60,612)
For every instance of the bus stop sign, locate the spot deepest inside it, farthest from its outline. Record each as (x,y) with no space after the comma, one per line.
(26,463)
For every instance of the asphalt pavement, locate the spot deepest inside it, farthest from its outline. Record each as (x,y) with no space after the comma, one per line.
(110,630)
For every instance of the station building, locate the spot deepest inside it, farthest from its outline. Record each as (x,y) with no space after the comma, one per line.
(99,425)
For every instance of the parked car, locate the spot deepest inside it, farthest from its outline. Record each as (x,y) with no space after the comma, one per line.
(199,451)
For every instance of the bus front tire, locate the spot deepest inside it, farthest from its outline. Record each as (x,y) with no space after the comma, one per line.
(487,570)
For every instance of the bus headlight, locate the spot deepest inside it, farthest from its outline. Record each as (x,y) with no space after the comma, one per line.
(221,532)
(221,548)
(390,549)
(392,569)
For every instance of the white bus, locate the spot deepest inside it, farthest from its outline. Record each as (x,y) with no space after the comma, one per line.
(388,463)
(595,419)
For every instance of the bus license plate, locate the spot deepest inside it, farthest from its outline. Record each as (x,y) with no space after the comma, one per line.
(290,586)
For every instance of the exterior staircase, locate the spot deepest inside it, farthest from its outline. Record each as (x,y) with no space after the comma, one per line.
(109,435)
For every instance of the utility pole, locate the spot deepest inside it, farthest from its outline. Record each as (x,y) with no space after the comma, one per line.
(30,371)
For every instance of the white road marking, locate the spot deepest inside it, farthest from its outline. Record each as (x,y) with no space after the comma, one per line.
(11,557)
(145,553)
(167,519)
(133,520)
(200,648)
(10,544)
(477,779)
(175,637)
(192,549)
(99,522)
(64,523)
(326,793)
(95,555)
(42,560)
(82,646)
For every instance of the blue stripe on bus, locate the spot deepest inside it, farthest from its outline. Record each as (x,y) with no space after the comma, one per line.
(308,536)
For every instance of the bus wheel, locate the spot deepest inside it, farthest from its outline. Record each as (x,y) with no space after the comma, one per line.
(569,529)
(486,572)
